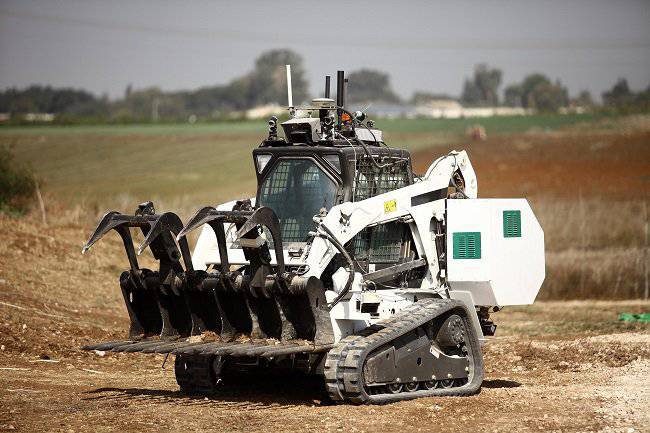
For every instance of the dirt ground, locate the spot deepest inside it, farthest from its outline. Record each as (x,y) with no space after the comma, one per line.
(554,366)
(609,165)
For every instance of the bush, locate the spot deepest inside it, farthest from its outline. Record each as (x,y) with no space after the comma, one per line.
(17,184)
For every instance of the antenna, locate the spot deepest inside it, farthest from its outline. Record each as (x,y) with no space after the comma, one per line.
(289,91)
(327,86)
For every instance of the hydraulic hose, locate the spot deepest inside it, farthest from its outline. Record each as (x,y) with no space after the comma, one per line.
(332,239)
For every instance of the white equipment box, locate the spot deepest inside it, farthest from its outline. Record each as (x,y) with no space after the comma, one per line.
(495,251)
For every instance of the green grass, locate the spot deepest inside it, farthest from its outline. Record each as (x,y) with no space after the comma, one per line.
(501,124)
(119,171)
(497,124)
(140,129)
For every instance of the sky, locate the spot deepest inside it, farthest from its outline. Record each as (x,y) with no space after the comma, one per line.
(103,46)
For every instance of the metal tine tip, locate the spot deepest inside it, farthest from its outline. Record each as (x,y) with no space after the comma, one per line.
(154,232)
(167,221)
(105,225)
(202,216)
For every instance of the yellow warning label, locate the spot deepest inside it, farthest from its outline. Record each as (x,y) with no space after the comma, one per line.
(390,206)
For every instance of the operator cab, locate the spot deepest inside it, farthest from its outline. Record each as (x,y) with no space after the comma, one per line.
(319,164)
(315,167)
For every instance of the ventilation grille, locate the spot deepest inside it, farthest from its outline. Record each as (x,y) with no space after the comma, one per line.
(371,181)
(467,245)
(511,224)
(384,243)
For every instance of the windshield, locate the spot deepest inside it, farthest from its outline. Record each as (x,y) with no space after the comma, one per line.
(296,189)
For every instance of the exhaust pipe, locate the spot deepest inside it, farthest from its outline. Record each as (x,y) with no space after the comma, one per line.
(340,95)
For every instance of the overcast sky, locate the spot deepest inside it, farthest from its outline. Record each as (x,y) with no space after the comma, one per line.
(104,45)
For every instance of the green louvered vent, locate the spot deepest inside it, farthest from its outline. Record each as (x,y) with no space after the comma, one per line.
(511,224)
(467,245)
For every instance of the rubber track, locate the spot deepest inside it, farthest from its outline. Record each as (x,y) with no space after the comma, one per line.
(345,362)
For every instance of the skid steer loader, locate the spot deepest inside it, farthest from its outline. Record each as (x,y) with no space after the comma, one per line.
(345,264)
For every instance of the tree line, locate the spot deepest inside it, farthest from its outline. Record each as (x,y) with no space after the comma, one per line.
(538,92)
(266,83)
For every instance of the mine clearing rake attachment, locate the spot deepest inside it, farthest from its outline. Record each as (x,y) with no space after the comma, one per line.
(178,310)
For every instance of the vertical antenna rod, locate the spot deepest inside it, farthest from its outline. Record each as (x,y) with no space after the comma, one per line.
(327,86)
(289,91)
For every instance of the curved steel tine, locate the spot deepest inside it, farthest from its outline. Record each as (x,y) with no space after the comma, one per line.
(202,216)
(168,221)
(106,224)
(265,216)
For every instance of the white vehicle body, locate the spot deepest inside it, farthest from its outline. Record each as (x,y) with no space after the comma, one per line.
(345,265)
(508,269)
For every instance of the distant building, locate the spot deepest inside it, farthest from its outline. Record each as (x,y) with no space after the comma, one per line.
(451,109)
(264,111)
(573,110)
(39,117)
(392,111)
(440,109)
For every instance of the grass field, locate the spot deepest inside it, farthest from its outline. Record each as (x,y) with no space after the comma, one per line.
(103,165)
(503,124)
(586,177)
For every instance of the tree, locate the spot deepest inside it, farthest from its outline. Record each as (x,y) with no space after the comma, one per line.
(46,99)
(471,93)
(538,92)
(548,97)
(513,95)
(267,83)
(483,88)
(529,84)
(583,99)
(368,85)
(619,95)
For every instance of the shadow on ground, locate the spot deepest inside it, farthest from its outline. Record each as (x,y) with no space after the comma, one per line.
(249,391)
(500,383)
